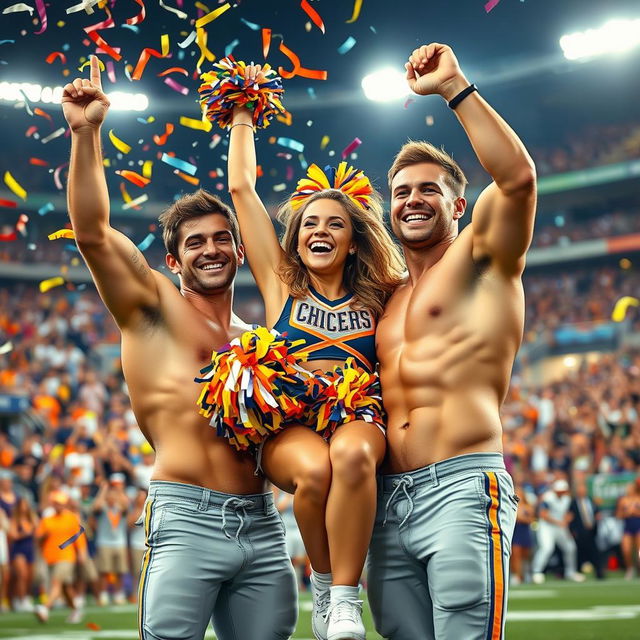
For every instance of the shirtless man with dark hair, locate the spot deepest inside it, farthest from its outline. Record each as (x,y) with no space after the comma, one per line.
(440,550)
(215,543)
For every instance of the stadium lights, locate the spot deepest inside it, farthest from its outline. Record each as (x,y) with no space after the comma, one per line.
(385,85)
(17,91)
(613,37)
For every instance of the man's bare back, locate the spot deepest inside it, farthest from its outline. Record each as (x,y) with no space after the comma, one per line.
(446,346)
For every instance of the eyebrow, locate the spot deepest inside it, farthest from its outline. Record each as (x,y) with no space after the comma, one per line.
(312,217)
(421,184)
(201,236)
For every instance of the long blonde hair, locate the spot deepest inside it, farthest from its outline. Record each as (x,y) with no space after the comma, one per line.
(371,274)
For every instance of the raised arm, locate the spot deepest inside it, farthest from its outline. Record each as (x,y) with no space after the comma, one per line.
(258,234)
(503,216)
(120,271)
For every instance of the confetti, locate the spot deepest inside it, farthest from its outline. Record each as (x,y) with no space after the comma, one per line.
(347,45)
(146,168)
(205,54)
(352,146)
(16,8)
(176,86)
(56,54)
(407,102)
(183,165)
(356,11)
(490,5)
(98,40)
(266,42)
(87,63)
(210,17)
(43,114)
(228,50)
(188,40)
(8,203)
(46,208)
(279,187)
(251,25)
(192,123)
(146,243)
(181,14)
(147,53)
(621,307)
(50,283)
(314,74)
(291,144)
(186,178)
(135,178)
(75,536)
(85,5)
(56,175)
(6,348)
(111,71)
(12,183)
(42,14)
(324,142)
(120,145)
(137,19)
(168,130)
(313,14)
(136,202)
(62,233)
(56,134)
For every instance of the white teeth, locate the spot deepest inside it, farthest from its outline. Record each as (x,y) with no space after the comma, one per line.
(212,267)
(321,245)
(417,216)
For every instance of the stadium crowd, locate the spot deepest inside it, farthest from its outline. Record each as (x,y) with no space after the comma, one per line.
(76,463)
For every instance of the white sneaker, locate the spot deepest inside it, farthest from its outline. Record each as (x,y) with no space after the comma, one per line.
(75,617)
(345,621)
(119,598)
(103,599)
(538,578)
(319,614)
(576,577)
(42,612)
(27,604)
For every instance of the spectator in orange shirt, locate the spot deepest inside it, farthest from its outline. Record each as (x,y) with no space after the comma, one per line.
(52,533)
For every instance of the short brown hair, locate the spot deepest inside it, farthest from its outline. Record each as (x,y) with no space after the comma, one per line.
(190,206)
(415,152)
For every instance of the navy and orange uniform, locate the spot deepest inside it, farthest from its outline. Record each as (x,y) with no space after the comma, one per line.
(331,329)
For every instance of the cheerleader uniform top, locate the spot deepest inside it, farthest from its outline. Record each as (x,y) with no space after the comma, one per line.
(331,329)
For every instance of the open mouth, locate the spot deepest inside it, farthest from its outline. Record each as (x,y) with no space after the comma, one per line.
(415,216)
(211,266)
(320,247)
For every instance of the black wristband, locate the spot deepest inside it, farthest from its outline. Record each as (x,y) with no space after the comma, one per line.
(455,101)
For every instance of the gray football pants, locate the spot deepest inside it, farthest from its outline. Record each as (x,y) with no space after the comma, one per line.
(439,555)
(214,556)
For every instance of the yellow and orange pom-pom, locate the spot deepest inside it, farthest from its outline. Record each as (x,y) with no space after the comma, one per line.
(252,386)
(224,88)
(347,393)
(352,182)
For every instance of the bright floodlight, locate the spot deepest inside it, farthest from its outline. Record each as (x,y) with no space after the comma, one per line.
(385,85)
(17,91)
(614,36)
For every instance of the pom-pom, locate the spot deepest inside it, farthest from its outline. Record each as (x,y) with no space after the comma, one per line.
(224,88)
(347,393)
(352,182)
(252,386)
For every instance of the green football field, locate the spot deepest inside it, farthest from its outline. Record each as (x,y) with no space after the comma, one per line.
(554,611)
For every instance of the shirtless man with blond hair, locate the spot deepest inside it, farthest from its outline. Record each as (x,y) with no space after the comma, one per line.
(215,543)
(440,550)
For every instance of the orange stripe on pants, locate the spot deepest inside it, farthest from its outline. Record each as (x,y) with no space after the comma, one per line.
(497,597)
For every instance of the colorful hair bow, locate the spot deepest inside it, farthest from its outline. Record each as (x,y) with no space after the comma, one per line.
(352,182)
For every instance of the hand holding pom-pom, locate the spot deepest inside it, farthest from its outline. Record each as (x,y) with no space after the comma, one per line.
(232,84)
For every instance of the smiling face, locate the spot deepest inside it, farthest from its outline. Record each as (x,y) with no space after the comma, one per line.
(424,208)
(208,257)
(325,237)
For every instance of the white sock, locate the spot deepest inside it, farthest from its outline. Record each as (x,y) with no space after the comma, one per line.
(321,579)
(344,592)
